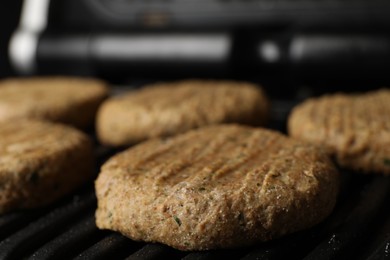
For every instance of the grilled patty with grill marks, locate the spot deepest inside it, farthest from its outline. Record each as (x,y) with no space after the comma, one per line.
(67,100)
(40,162)
(355,128)
(166,109)
(216,187)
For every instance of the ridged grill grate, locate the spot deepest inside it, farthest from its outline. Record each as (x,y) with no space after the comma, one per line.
(359,228)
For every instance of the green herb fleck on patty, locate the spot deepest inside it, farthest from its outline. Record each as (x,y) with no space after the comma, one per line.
(271,187)
(386,161)
(109,215)
(177,220)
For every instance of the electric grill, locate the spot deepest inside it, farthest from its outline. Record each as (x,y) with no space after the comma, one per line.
(269,41)
(118,39)
(359,227)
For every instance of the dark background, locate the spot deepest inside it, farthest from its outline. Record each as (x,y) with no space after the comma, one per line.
(287,78)
(9,13)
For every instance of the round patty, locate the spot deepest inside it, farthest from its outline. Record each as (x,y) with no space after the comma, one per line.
(71,101)
(355,128)
(216,187)
(166,109)
(40,162)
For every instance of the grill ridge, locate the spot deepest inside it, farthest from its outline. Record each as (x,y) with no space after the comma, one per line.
(44,228)
(359,228)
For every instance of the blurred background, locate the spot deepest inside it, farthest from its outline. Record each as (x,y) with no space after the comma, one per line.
(293,48)
(289,47)
(9,13)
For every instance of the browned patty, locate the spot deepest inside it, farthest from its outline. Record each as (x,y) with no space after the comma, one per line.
(40,162)
(216,187)
(355,128)
(71,101)
(166,109)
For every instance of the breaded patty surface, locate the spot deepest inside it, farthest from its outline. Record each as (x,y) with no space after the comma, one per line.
(216,187)
(166,109)
(355,128)
(67,100)
(40,162)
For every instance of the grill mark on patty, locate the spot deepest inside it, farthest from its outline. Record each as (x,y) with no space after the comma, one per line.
(215,205)
(206,158)
(248,158)
(194,157)
(355,127)
(143,162)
